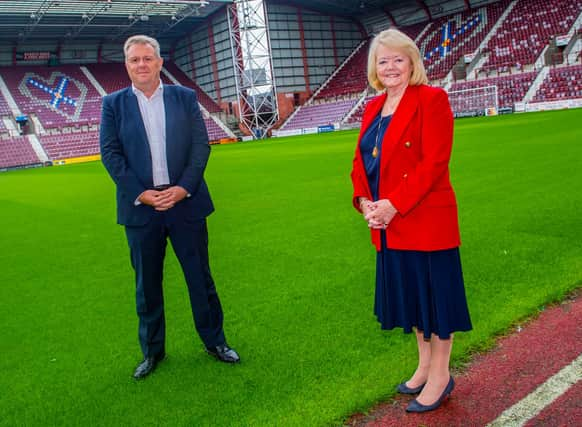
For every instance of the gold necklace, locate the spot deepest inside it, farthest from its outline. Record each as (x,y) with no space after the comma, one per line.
(375,150)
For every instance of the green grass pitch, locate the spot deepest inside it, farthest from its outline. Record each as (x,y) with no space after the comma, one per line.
(295,270)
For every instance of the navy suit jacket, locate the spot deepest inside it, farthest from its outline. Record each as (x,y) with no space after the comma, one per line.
(125,152)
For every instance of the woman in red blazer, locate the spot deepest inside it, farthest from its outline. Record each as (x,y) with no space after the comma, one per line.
(402,188)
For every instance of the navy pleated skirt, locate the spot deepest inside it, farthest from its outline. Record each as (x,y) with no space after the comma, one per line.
(420,289)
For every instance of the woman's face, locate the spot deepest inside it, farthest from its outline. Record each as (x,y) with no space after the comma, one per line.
(393,67)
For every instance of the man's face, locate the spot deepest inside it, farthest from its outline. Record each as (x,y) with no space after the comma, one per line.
(143,66)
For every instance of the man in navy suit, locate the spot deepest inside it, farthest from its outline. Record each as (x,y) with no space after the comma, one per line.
(154,145)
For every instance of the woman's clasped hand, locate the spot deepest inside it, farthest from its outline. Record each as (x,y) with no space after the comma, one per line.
(378,214)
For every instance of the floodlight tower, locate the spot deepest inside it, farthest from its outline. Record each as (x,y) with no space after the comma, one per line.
(253,69)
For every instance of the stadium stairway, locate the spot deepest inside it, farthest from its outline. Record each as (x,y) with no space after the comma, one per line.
(38,148)
(38,127)
(93,81)
(337,71)
(207,116)
(328,113)
(9,99)
(324,84)
(422,33)
(533,89)
(481,59)
(51,139)
(7,124)
(477,62)
(561,83)
(525,32)
(14,132)
(355,114)
(467,30)
(573,50)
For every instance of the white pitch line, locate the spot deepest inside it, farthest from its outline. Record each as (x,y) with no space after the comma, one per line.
(531,405)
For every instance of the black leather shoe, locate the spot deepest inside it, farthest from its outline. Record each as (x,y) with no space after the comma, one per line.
(224,353)
(147,366)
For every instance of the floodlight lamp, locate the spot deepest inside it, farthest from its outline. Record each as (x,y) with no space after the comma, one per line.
(131,17)
(144,18)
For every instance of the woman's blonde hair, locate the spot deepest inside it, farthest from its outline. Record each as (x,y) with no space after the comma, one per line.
(395,39)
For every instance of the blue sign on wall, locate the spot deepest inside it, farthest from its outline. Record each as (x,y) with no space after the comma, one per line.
(326,128)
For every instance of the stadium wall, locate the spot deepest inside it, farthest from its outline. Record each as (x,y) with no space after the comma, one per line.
(56,53)
(408,15)
(205,56)
(78,52)
(411,14)
(306,48)
(327,41)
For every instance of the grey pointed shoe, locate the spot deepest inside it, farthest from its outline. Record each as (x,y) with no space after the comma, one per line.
(404,389)
(415,406)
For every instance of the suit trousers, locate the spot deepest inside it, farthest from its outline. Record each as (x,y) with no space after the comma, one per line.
(189,238)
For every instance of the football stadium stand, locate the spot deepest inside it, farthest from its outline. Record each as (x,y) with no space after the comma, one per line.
(68,106)
(58,96)
(70,145)
(510,45)
(340,93)
(351,77)
(356,116)
(16,151)
(450,38)
(111,76)
(561,83)
(527,29)
(203,98)
(511,88)
(320,114)
(413,31)
(4,108)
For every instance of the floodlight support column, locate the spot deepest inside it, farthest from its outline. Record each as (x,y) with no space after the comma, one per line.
(253,69)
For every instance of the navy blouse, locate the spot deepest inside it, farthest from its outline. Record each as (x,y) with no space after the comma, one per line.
(373,138)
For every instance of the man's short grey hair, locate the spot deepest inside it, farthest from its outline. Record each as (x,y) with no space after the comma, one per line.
(141,39)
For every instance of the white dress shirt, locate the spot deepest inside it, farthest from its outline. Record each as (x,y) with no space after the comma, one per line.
(153,114)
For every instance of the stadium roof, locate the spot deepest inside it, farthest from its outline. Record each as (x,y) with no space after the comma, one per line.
(396,11)
(114,20)
(106,20)
(359,7)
